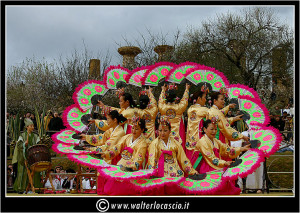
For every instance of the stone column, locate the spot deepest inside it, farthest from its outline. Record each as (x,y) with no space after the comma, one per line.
(94,69)
(162,51)
(129,53)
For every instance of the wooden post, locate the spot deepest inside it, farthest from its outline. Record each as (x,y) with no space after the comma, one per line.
(29,177)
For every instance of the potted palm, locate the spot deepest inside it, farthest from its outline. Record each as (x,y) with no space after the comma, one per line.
(44,138)
(14,131)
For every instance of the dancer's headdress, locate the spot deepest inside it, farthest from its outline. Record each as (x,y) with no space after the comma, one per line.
(172,86)
(164,121)
(143,92)
(120,92)
(224,91)
(136,120)
(204,88)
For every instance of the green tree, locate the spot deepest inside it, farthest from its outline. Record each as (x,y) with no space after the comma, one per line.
(241,45)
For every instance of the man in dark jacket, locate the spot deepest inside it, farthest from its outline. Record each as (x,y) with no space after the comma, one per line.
(278,123)
(55,124)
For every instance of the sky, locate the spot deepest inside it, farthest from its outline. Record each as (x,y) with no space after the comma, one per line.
(50,31)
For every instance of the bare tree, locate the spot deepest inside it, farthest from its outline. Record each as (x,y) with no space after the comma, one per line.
(38,83)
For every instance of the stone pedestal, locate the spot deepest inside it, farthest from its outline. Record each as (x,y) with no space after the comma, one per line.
(94,69)
(129,53)
(162,51)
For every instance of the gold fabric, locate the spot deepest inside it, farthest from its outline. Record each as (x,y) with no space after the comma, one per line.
(127,113)
(134,160)
(172,163)
(106,140)
(173,111)
(149,114)
(205,146)
(195,114)
(102,124)
(223,124)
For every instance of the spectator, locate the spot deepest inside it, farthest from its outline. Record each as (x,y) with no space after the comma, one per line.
(7,118)
(273,96)
(289,127)
(69,180)
(10,175)
(47,184)
(57,180)
(9,178)
(275,111)
(61,116)
(278,123)
(292,110)
(47,119)
(32,117)
(8,142)
(284,115)
(288,148)
(27,115)
(55,124)
(286,109)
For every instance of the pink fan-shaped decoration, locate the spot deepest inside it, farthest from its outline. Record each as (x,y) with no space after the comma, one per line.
(65,136)
(257,111)
(177,74)
(201,74)
(114,74)
(269,137)
(61,148)
(236,90)
(136,76)
(86,91)
(211,183)
(88,161)
(157,72)
(116,172)
(250,162)
(72,118)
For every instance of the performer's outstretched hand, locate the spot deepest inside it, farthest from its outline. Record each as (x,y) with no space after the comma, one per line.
(246,138)
(91,121)
(245,148)
(187,86)
(238,117)
(232,105)
(227,163)
(83,137)
(100,104)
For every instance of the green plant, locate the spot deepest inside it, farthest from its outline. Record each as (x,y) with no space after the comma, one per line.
(40,122)
(15,127)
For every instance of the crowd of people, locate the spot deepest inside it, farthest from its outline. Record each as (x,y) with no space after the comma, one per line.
(156,135)
(62,180)
(66,180)
(52,121)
